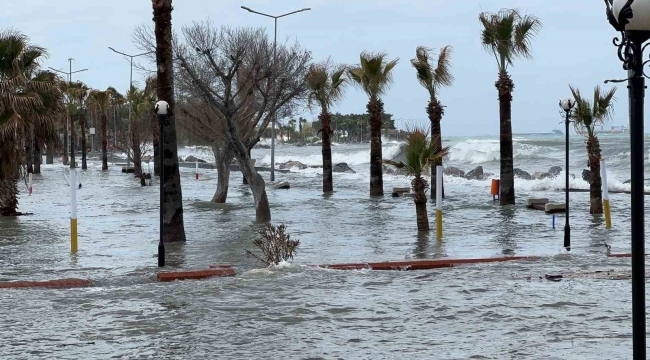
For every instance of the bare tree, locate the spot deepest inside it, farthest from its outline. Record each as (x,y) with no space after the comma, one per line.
(233,73)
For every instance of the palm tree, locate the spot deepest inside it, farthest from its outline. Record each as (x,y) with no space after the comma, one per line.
(432,77)
(101,100)
(77,91)
(507,35)
(326,83)
(374,76)
(29,99)
(173,226)
(292,126)
(586,116)
(420,152)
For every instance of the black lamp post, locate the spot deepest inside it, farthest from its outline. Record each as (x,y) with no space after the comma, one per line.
(567,105)
(161,112)
(632,19)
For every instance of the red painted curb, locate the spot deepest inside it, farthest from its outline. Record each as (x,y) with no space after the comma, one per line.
(622,255)
(62,283)
(220,266)
(194,275)
(422,264)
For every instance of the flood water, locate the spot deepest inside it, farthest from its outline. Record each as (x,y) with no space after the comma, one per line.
(489,311)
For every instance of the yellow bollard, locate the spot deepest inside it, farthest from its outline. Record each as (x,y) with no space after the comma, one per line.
(73,211)
(439,202)
(603,176)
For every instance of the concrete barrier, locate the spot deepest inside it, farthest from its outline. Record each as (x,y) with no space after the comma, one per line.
(62,283)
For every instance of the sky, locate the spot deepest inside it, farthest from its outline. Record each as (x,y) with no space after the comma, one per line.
(574,47)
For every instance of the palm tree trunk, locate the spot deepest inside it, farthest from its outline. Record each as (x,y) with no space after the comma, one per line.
(8,197)
(49,155)
(104,124)
(435,112)
(65,137)
(156,150)
(222,156)
(29,153)
(375,108)
(73,137)
(173,226)
(595,188)
(420,199)
(325,119)
(38,158)
(82,121)
(504,87)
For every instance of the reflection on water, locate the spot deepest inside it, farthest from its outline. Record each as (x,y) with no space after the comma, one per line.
(482,311)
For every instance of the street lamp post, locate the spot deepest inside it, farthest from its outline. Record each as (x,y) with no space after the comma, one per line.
(567,105)
(161,112)
(275,37)
(632,19)
(67,118)
(128,156)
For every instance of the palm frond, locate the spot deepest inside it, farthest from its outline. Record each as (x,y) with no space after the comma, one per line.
(373,74)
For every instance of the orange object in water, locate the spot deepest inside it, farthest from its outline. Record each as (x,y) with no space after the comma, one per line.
(495,187)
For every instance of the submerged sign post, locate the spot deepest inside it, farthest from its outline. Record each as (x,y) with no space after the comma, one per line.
(73,211)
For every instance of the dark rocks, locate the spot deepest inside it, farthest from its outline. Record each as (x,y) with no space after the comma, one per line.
(193,159)
(291,164)
(476,174)
(628,182)
(453,171)
(262,146)
(282,185)
(397,191)
(522,174)
(554,171)
(541,175)
(586,176)
(342,168)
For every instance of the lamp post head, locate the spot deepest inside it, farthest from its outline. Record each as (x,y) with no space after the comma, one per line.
(162,107)
(626,15)
(567,104)
(247,8)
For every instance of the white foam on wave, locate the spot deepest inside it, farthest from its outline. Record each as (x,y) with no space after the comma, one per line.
(478,151)
(357,158)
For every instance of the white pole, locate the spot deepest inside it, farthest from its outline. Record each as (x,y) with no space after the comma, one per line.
(439,201)
(29,185)
(196,172)
(603,176)
(73,211)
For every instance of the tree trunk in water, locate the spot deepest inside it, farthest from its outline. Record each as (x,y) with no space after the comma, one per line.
(435,112)
(8,197)
(73,134)
(65,139)
(325,119)
(82,121)
(257,186)
(504,87)
(223,157)
(595,188)
(156,150)
(420,199)
(38,158)
(49,155)
(245,179)
(137,164)
(29,155)
(375,107)
(173,227)
(104,130)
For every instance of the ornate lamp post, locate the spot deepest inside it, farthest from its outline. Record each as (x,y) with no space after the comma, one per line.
(161,112)
(632,19)
(567,105)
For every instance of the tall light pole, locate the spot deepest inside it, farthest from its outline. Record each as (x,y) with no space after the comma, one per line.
(128,156)
(632,19)
(275,37)
(67,118)
(567,105)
